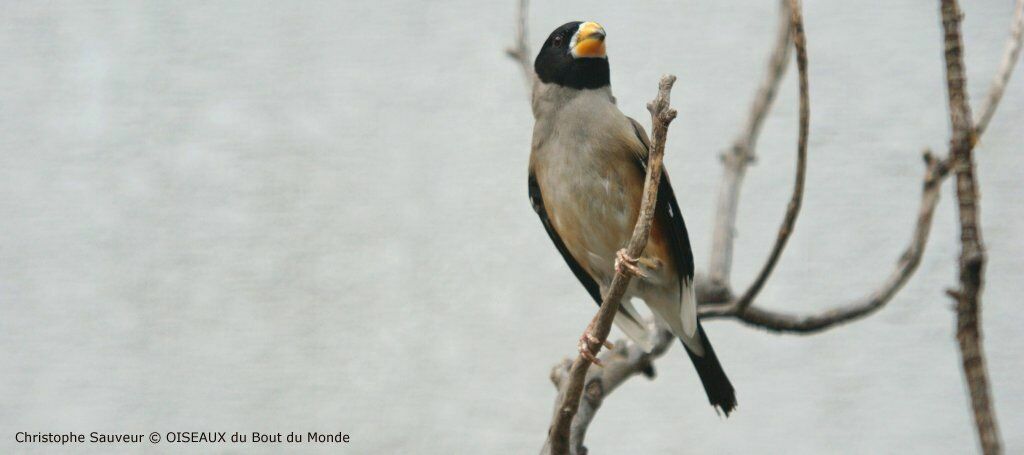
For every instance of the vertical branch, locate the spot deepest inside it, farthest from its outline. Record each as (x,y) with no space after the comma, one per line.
(972,252)
(661,116)
(740,155)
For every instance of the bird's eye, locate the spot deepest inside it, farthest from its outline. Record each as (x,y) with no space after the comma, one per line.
(558,41)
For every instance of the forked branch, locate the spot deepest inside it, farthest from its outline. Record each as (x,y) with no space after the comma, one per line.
(935,172)
(793,209)
(738,158)
(621,363)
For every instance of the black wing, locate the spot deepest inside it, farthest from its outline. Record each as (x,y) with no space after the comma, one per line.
(538,206)
(679,240)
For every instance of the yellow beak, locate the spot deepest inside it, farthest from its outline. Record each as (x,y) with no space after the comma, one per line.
(589,41)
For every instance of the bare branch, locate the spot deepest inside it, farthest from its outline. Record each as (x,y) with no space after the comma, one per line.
(740,155)
(620,364)
(906,266)
(572,416)
(520,51)
(935,173)
(1010,55)
(972,252)
(793,208)
(661,116)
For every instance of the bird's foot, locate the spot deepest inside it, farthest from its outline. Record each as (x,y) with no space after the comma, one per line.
(626,264)
(649,263)
(590,345)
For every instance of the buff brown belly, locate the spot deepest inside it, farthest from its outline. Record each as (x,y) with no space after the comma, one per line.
(594,210)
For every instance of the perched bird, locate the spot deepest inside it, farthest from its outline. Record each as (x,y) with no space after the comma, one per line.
(587,170)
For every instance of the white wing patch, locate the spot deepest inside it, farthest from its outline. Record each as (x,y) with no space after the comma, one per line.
(678,314)
(688,310)
(688,314)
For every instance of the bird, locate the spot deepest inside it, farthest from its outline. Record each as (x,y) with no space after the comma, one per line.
(586,175)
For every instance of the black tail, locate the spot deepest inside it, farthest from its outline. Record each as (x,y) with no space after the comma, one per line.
(716,384)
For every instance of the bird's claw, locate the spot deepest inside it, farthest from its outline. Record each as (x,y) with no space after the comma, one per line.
(590,345)
(624,263)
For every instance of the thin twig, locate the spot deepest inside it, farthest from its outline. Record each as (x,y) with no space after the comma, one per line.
(793,208)
(935,172)
(1010,55)
(520,51)
(740,156)
(661,116)
(972,252)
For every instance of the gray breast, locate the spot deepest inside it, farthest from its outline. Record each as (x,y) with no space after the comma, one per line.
(583,161)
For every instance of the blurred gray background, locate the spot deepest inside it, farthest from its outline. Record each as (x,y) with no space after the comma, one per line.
(271,216)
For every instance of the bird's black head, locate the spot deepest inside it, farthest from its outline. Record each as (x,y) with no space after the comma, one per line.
(574,56)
